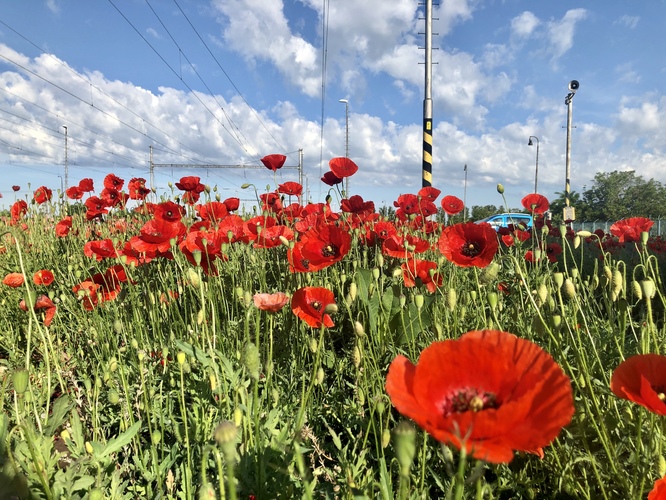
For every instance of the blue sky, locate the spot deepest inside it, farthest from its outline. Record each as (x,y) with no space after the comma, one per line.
(229,81)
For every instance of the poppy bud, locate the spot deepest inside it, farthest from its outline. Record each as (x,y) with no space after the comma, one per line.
(113,397)
(489,273)
(207,492)
(662,466)
(251,359)
(419,300)
(359,330)
(608,273)
(558,278)
(402,300)
(320,376)
(500,189)
(636,289)
(648,288)
(405,446)
(89,448)
(238,416)
(375,273)
(492,300)
(397,272)
(584,234)
(563,230)
(356,357)
(380,260)
(213,381)
(313,345)
(386,438)
(352,291)
(576,241)
(181,358)
(245,185)
(645,236)
(569,289)
(451,299)
(225,436)
(557,321)
(542,293)
(20,379)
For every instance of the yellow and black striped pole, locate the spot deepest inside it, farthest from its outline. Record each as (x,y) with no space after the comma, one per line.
(427,101)
(427,152)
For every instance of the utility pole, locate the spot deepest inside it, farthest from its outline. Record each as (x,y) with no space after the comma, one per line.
(427,100)
(66,160)
(569,211)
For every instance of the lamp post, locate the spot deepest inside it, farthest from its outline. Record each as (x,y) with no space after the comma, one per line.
(346,103)
(536,170)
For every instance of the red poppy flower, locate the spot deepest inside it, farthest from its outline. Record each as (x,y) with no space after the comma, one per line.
(112,181)
(232,204)
(43,277)
(271,202)
(385,229)
(356,205)
(404,247)
(658,490)
(96,207)
(208,244)
(489,391)
(429,193)
(535,203)
(271,237)
(330,179)
(42,302)
(86,185)
(425,271)
(100,249)
(552,251)
(342,167)
(452,205)
(137,188)
(319,248)
(190,184)
(469,244)
(113,197)
(18,209)
(309,304)
(270,302)
(629,230)
(169,211)
(232,228)
(642,379)
(213,211)
(273,162)
(63,227)
(156,235)
(408,203)
(13,280)
(87,293)
(290,188)
(42,195)
(16,188)
(254,225)
(74,193)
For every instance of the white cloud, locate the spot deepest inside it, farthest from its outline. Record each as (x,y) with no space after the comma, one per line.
(561,33)
(523,26)
(53,6)
(152,32)
(628,21)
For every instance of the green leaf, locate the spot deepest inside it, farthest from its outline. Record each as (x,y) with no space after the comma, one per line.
(123,439)
(83,483)
(60,409)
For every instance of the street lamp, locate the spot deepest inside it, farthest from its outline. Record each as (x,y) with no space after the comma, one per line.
(536,170)
(346,103)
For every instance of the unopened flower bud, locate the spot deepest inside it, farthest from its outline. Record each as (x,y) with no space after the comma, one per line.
(569,289)
(648,288)
(251,360)
(636,289)
(451,299)
(359,330)
(181,357)
(500,188)
(405,446)
(20,379)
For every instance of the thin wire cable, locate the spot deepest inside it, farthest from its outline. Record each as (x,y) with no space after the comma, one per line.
(324,57)
(179,77)
(256,115)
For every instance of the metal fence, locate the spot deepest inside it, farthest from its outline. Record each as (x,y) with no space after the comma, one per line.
(658,229)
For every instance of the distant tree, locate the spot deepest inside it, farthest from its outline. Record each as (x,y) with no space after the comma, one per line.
(481,212)
(618,195)
(387,212)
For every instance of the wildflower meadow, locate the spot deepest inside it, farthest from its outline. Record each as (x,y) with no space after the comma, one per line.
(184,347)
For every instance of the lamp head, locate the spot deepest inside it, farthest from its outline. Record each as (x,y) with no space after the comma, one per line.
(529,142)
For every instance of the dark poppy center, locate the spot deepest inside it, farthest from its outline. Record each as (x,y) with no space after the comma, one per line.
(329,250)
(316,305)
(471,249)
(468,399)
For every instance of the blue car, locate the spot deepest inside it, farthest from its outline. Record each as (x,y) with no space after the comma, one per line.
(504,220)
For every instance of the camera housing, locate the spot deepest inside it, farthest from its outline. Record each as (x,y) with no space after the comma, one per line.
(573,85)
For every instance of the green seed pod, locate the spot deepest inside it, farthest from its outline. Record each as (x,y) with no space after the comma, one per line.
(563,230)
(557,321)
(320,376)
(645,236)
(402,301)
(113,364)
(95,494)
(251,360)
(419,300)
(313,345)
(380,260)
(375,273)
